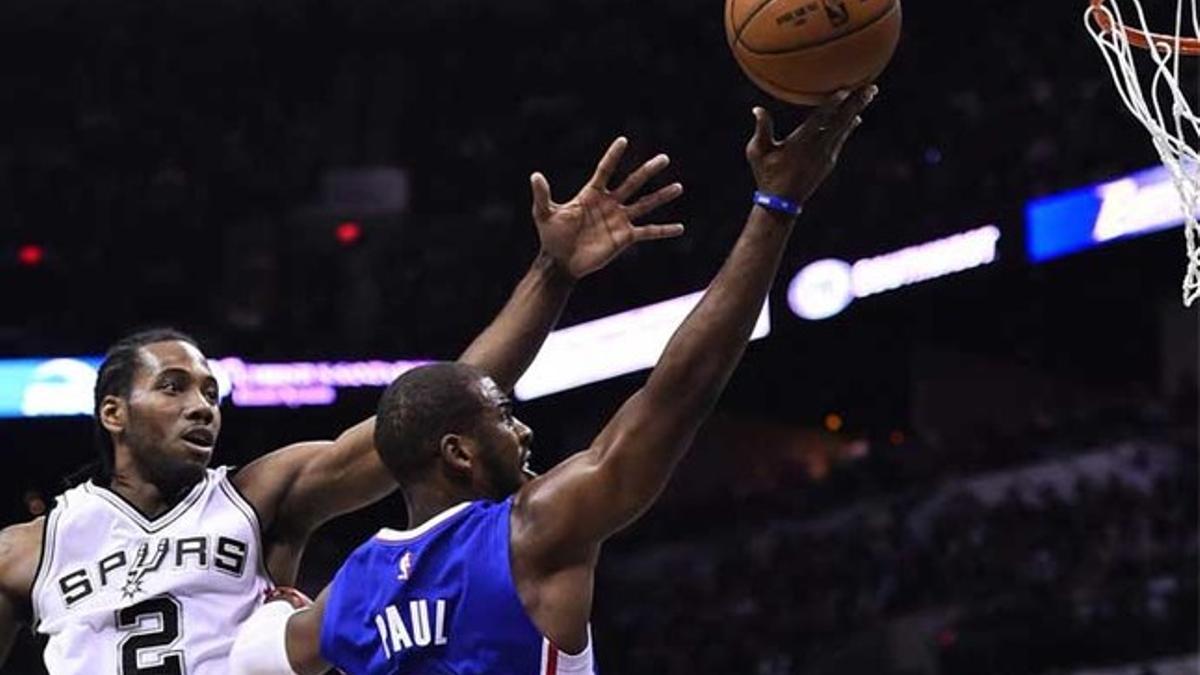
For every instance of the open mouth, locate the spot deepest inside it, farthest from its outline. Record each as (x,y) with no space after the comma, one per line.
(525,463)
(200,437)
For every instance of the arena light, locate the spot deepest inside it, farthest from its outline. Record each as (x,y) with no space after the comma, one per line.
(575,356)
(826,287)
(613,346)
(47,387)
(822,289)
(348,233)
(301,383)
(30,255)
(1132,206)
(63,386)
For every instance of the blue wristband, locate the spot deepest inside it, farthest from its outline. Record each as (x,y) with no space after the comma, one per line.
(779,204)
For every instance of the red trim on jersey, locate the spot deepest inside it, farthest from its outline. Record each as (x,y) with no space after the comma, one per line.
(551,658)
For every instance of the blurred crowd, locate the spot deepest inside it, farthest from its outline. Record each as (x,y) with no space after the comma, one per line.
(1101,572)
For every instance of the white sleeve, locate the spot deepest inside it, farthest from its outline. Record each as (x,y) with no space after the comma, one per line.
(261,644)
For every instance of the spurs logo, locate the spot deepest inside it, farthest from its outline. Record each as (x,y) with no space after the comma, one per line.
(143,563)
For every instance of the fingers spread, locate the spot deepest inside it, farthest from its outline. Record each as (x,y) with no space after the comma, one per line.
(853,106)
(835,119)
(608,163)
(848,118)
(541,196)
(634,182)
(651,232)
(843,136)
(654,200)
(819,120)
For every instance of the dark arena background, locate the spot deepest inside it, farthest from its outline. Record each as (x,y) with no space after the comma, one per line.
(986,464)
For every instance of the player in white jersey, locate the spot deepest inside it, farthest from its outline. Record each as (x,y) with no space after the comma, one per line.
(497,577)
(176,584)
(147,568)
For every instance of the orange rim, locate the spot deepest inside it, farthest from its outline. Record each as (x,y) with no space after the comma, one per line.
(1137,38)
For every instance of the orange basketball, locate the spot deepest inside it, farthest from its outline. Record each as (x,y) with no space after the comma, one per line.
(801,51)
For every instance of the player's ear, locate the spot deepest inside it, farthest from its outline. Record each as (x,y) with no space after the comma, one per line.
(113,413)
(457,453)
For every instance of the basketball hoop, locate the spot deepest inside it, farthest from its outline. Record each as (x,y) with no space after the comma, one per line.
(1160,105)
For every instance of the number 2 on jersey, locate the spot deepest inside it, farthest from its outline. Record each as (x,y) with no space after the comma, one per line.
(139,621)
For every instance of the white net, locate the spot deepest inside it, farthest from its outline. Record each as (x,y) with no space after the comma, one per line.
(1158,101)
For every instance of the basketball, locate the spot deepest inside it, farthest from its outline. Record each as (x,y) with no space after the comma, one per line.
(802,51)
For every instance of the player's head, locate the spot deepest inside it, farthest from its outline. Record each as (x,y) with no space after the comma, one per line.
(450,422)
(156,400)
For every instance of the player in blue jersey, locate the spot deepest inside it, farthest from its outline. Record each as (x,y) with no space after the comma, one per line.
(496,575)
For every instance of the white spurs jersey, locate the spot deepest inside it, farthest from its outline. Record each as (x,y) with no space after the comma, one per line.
(121,594)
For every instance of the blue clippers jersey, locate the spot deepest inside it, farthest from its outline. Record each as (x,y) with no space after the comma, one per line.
(437,600)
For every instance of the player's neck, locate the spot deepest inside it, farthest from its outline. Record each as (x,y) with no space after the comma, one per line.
(425,501)
(151,499)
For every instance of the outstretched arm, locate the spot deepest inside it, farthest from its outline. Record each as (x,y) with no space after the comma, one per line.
(302,486)
(561,518)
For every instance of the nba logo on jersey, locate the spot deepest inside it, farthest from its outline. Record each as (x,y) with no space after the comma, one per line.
(406,562)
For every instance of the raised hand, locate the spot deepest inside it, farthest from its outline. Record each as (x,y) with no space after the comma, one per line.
(796,167)
(586,233)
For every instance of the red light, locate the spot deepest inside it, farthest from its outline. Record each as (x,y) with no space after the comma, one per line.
(896,438)
(348,233)
(31,255)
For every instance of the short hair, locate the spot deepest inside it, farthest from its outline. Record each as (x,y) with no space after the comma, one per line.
(116,379)
(418,409)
